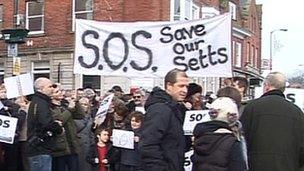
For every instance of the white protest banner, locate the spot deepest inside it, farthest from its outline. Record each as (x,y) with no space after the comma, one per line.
(151,49)
(7,129)
(103,108)
(20,85)
(293,95)
(123,139)
(194,117)
(188,163)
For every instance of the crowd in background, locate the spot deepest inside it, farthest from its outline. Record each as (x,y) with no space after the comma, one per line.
(58,129)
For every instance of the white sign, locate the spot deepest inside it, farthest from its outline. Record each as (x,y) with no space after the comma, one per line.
(188,163)
(293,95)
(123,139)
(140,109)
(151,49)
(20,85)
(12,49)
(103,108)
(7,129)
(194,117)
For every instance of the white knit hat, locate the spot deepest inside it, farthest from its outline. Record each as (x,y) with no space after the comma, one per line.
(227,110)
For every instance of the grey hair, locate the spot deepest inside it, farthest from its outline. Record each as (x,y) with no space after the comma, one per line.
(276,80)
(39,83)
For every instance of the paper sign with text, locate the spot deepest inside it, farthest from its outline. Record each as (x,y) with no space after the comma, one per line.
(20,85)
(294,95)
(188,163)
(123,139)
(151,49)
(194,117)
(7,129)
(103,108)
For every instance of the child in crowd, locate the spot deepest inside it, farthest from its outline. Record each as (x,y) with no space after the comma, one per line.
(102,154)
(130,159)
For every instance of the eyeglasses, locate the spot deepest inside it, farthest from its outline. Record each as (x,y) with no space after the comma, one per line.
(136,97)
(53,86)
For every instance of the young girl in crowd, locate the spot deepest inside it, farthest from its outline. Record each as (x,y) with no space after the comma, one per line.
(130,159)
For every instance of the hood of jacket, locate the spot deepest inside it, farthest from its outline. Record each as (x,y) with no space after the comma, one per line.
(159,96)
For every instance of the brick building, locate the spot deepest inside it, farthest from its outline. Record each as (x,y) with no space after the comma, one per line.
(49,46)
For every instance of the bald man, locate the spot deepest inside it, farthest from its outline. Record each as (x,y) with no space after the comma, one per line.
(274,129)
(42,128)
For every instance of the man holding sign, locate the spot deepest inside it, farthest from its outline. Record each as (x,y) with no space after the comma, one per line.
(162,141)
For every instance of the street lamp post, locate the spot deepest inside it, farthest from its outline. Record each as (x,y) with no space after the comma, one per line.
(272,32)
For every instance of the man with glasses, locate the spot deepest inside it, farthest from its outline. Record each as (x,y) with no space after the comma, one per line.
(42,128)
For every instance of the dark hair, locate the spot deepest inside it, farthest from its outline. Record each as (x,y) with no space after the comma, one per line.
(171,76)
(102,128)
(230,92)
(242,82)
(137,115)
(193,88)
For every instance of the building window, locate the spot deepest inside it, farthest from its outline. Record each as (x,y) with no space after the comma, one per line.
(195,12)
(91,81)
(188,9)
(252,59)
(82,9)
(35,17)
(41,69)
(184,10)
(1,72)
(256,58)
(238,54)
(232,10)
(209,12)
(1,18)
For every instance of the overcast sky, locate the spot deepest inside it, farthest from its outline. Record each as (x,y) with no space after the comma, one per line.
(281,14)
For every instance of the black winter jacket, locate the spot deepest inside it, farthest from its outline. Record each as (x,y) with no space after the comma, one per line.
(213,150)
(274,131)
(162,143)
(41,126)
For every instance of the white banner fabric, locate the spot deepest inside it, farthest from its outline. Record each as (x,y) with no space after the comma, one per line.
(151,49)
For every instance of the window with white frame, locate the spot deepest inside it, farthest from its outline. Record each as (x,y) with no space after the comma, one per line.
(176,13)
(195,12)
(41,69)
(35,17)
(82,9)
(256,58)
(1,17)
(232,10)
(188,9)
(238,54)
(1,72)
(252,59)
(184,10)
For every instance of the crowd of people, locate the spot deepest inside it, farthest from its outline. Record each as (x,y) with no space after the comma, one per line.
(58,129)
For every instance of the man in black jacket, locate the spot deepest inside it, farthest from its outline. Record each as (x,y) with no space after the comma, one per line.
(42,128)
(162,143)
(274,129)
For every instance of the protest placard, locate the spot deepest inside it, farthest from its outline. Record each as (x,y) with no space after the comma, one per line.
(293,95)
(123,139)
(7,129)
(188,163)
(150,49)
(20,85)
(101,113)
(194,117)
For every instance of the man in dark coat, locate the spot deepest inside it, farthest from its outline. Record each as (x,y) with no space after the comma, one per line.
(161,142)
(274,129)
(42,128)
